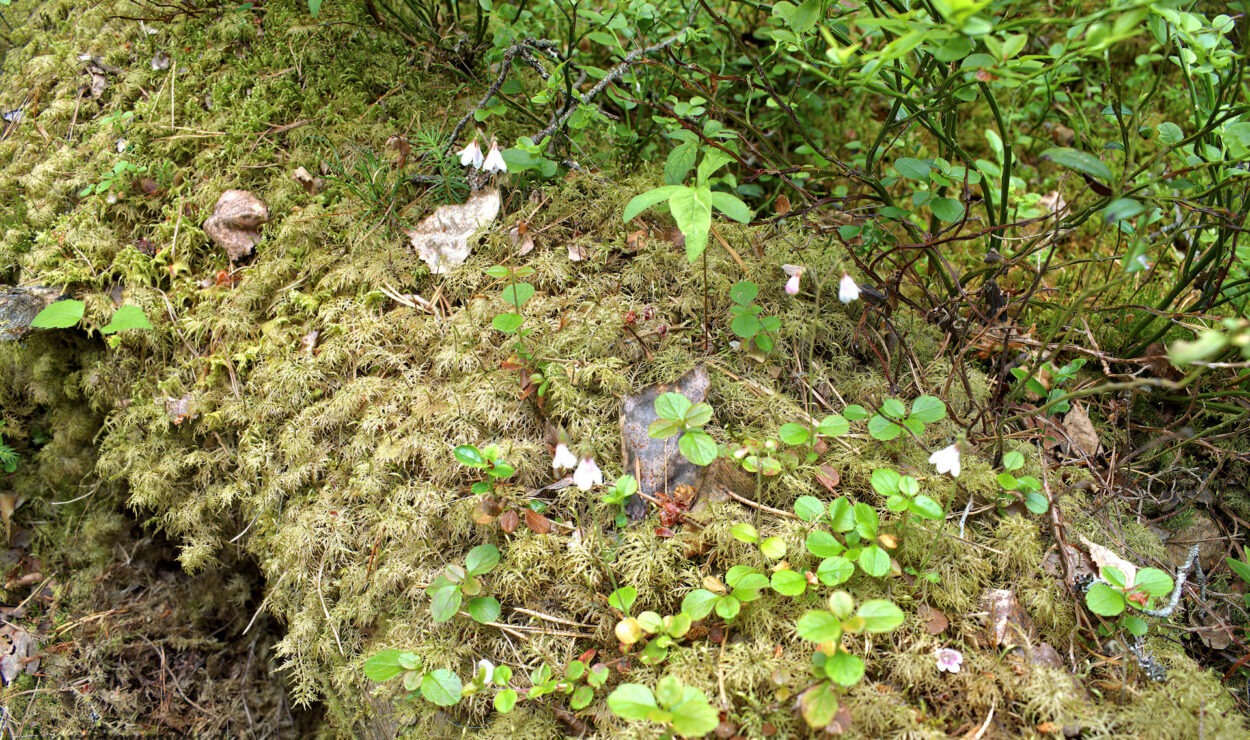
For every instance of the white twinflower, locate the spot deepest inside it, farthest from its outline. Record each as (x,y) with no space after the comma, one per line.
(848,289)
(792,285)
(486,669)
(563,459)
(494,160)
(471,155)
(588,475)
(946,460)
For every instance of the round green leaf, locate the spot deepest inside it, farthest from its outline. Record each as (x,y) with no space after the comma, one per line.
(623,598)
(823,544)
(819,626)
(789,583)
(383,666)
(581,698)
(874,561)
(444,603)
(441,687)
(672,406)
(927,508)
(481,559)
(834,425)
(1075,159)
(631,701)
(693,716)
(835,571)
(793,434)
(698,415)
(698,603)
(1170,133)
(1013,460)
(885,481)
(744,532)
(809,508)
(663,428)
(893,408)
(517,294)
(912,169)
(727,607)
(505,700)
(947,210)
(882,429)
(745,325)
(844,669)
(469,455)
(1121,209)
(880,615)
(819,705)
(507,323)
(483,609)
(928,409)
(1153,581)
(1104,600)
(698,447)
(773,548)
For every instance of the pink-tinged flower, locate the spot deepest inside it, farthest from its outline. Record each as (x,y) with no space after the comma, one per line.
(563,459)
(946,460)
(471,155)
(588,475)
(796,274)
(848,289)
(949,660)
(494,160)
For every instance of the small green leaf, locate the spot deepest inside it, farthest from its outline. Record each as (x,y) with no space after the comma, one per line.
(1013,460)
(773,548)
(882,429)
(698,447)
(819,705)
(126,317)
(913,169)
(727,607)
(926,508)
(582,698)
(731,206)
(441,687)
(947,210)
(819,626)
(642,202)
(698,603)
(481,559)
(793,434)
(623,598)
(893,408)
(1135,625)
(928,409)
(483,609)
(885,481)
(698,415)
(1104,600)
(1153,581)
(383,666)
(810,508)
(1036,503)
(517,294)
(823,545)
(663,428)
(632,701)
(1242,569)
(1121,209)
(505,701)
(874,561)
(866,520)
(1075,159)
(880,615)
(672,406)
(744,532)
(855,412)
(835,571)
(834,425)
(841,515)
(1170,133)
(59,315)
(789,583)
(507,323)
(743,292)
(444,603)
(844,669)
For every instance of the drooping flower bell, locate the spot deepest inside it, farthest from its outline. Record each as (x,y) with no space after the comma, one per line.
(848,289)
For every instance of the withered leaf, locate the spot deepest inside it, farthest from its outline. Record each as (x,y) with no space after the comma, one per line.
(537,523)
(509,520)
(235,223)
(442,239)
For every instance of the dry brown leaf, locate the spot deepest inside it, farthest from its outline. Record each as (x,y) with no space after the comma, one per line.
(1081,431)
(781,205)
(577,252)
(312,185)
(509,521)
(486,510)
(442,239)
(935,622)
(1213,631)
(537,523)
(9,502)
(522,239)
(235,223)
(829,477)
(1104,558)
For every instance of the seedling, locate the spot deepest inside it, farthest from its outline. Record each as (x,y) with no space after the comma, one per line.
(1025,488)
(748,323)
(860,544)
(903,494)
(772,548)
(440,687)
(743,586)
(681,710)
(448,591)
(618,495)
(678,415)
(892,418)
(1058,377)
(1118,591)
(632,630)
(488,459)
(831,662)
